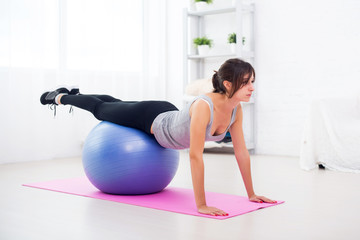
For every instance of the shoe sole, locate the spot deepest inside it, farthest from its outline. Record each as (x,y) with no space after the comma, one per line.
(69,88)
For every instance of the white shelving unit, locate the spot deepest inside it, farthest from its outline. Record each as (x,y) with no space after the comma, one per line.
(194,64)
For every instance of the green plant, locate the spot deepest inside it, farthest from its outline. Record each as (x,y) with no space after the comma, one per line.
(207,1)
(232,38)
(203,41)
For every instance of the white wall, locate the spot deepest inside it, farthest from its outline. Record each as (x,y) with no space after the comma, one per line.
(304,50)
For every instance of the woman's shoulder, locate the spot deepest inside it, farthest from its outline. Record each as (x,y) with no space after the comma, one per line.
(204,98)
(201,106)
(238,112)
(211,95)
(201,103)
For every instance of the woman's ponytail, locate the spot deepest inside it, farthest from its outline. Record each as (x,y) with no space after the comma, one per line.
(217,83)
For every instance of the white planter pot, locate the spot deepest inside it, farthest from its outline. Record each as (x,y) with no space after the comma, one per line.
(201,6)
(203,49)
(233,47)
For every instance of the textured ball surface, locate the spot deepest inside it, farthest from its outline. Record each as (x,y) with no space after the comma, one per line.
(123,160)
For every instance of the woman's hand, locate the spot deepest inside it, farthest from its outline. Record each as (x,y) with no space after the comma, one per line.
(261,199)
(213,211)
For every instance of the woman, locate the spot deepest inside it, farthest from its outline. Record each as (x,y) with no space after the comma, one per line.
(206,118)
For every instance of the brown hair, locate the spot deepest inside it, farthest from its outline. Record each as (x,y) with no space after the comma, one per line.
(233,70)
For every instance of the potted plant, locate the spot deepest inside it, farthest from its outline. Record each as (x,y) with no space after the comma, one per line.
(232,41)
(202,5)
(203,45)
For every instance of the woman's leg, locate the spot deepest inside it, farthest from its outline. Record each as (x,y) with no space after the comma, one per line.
(87,102)
(138,115)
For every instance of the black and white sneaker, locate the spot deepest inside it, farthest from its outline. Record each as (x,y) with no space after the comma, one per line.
(49,97)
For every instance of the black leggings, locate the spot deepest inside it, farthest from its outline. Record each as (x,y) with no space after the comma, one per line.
(138,115)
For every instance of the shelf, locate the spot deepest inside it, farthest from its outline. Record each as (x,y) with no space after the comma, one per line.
(195,25)
(245,8)
(209,145)
(211,12)
(211,56)
(245,54)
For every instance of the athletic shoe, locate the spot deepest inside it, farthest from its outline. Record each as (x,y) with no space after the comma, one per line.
(49,97)
(73,90)
(43,99)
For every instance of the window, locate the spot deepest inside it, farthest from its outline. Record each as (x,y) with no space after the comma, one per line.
(100,35)
(29,33)
(104,35)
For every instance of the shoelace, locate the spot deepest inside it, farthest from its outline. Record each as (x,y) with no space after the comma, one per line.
(53,108)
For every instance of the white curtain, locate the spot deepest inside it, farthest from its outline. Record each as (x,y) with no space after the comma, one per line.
(113,47)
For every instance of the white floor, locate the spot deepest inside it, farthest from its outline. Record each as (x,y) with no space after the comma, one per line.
(320,204)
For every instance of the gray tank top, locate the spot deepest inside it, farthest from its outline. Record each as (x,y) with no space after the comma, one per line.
(172,129)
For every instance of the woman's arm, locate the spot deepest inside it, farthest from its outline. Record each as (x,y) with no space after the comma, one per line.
(243,157)
(200,117)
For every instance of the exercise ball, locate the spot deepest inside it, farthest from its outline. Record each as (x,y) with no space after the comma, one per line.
(123,160)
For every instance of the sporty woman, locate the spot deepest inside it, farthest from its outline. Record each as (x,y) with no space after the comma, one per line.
(207,118)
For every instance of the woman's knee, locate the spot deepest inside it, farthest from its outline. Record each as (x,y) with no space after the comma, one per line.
(108,98)
(98,111)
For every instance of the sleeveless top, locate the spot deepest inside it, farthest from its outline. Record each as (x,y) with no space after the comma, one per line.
(172,129)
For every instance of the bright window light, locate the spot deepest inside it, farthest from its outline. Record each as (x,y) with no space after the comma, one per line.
(29,33)
(104,35)
(95,35)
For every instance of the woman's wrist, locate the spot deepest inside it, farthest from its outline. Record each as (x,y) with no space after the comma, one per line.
(251,194)
(201,204)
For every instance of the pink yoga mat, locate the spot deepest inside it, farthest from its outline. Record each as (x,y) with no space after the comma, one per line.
(171,199)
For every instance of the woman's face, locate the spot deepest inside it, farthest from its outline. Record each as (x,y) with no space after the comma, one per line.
(244,93)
